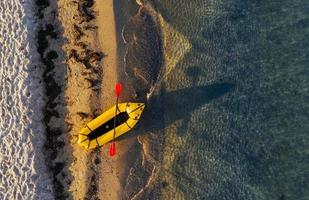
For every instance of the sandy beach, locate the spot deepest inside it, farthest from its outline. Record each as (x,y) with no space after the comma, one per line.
(82,47)
(110,21)
(223,86)
(23,173)
(89,92)
(110,170)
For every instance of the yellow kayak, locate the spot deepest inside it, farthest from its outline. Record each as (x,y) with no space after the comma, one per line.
(101,130)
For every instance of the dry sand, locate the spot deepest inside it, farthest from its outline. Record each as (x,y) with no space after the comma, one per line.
(23,174)
(83,32)
(94,173)
(82,92)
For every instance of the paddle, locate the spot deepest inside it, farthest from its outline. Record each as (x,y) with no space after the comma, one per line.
(112,149)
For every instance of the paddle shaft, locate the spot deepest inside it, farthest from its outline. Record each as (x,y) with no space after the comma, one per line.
(112,150)
(115,118)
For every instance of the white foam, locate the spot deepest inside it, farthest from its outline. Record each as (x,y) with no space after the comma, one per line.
(23,174)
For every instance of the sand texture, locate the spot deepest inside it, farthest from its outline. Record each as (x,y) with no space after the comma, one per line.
(23,174)
(91,47)
(57,75)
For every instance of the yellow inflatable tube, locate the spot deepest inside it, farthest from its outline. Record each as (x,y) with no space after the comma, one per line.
(101,130)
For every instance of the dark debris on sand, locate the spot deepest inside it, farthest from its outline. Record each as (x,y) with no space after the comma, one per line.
(54,144)
(83,54)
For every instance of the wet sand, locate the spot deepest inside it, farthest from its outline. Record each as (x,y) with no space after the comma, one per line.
(109,173)
(113,171)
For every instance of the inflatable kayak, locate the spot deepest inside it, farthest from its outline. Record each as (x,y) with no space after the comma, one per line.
(101,130)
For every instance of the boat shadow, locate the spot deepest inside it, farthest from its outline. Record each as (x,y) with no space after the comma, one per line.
(167,107)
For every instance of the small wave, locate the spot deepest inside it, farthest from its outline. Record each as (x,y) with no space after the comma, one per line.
(144,57)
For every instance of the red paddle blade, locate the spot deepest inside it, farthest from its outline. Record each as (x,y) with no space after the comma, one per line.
(118,89)
(112,149)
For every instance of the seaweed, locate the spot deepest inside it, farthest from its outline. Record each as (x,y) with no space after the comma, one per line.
(94,56)
(91,27)
(82,45)
(42,4)
(53,91)
(87,14)
(87,57)
(83,115)
(78,33)
(93,82)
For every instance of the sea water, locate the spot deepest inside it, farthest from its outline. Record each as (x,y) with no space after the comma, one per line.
(234,102)
(247,138)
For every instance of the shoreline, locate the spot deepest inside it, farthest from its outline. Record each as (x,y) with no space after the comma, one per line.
(107,177)
(110,24)
(88,90)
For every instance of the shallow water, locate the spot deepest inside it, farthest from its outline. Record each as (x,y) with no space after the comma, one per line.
(235,107)
(249,143)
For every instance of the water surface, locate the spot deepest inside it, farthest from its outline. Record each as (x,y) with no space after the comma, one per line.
(235,107)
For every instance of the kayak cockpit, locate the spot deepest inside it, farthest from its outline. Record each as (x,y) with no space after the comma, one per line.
(104,128)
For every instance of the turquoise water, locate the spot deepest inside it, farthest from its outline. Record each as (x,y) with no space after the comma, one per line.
(235,109)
